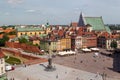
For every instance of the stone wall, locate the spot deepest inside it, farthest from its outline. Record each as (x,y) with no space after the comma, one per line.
(23,46)
(18,53)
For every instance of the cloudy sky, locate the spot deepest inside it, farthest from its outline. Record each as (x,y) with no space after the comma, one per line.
(57,11)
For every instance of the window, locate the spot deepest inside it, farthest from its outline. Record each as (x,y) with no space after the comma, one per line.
(21,34)
(2,70)
(25,33)
(1,61)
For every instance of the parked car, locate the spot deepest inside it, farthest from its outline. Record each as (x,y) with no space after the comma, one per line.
(9,68)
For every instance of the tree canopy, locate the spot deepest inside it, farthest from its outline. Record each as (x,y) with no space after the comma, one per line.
(3,40)
(113,44)
(23,40)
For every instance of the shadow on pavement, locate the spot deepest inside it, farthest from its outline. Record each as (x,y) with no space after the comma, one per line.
(107,54)
(43,65)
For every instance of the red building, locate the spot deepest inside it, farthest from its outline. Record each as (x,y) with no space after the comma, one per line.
(89,39)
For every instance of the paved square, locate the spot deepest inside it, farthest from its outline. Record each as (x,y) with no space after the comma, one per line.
(37,72)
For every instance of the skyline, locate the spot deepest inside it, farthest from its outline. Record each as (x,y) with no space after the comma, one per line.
(57,11)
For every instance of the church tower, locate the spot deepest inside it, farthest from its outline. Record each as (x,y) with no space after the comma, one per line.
(48,28)
(81,21)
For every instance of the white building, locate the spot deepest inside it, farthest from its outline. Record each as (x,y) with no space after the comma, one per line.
(2,64)
(108,43)
(78,42)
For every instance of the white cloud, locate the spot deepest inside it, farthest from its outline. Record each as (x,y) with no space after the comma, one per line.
(15,1)
(31,10)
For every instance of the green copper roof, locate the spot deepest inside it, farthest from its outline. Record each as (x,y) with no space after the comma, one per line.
(108,29)
(29,29)
(95,22)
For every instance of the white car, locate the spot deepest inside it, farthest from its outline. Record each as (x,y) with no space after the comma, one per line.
(9,68)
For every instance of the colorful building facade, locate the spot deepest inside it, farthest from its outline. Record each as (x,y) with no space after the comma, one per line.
(2,66)
(31,31)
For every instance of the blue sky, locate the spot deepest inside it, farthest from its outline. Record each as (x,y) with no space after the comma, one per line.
(57,11)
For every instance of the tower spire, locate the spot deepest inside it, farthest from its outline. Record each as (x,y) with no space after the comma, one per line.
(81,20)
(47,24)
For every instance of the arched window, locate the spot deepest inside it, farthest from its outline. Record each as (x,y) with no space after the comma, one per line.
(21,33)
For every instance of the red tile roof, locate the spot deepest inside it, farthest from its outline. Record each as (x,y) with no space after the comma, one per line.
(60,33)
(1,54)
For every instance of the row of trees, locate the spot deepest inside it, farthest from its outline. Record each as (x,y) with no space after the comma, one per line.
(114,27)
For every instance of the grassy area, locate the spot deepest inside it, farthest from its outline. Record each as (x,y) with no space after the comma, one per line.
(12,60)
(18,57)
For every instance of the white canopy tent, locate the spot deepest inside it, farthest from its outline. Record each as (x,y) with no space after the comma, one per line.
(94,49)
(86,50)
(66,53)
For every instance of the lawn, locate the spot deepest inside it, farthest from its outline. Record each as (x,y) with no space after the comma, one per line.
(12,60)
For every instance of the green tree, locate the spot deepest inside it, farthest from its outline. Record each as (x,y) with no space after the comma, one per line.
(3,40)
(4,27)
(5,37)
(113,44)
(12,33)
(23,40)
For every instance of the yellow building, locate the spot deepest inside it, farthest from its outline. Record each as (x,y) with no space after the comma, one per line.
(36,42)
(64,44)
(48,30)
(29,31)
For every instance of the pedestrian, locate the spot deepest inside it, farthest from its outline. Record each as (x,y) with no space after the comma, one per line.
(65,72)
(57,76)
(81,61)
(25,65)
(10,78)
(77,78)
(27,78)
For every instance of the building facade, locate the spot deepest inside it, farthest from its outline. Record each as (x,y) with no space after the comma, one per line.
(31,31)
(2,65)
(108,43)
(78,42)
(101,42)
(64,44)
(89,41)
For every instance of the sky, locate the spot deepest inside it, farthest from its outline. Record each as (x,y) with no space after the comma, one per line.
(62,12)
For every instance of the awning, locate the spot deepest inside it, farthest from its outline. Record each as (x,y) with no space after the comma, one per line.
(86,50)
(66,53)
(94,49)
